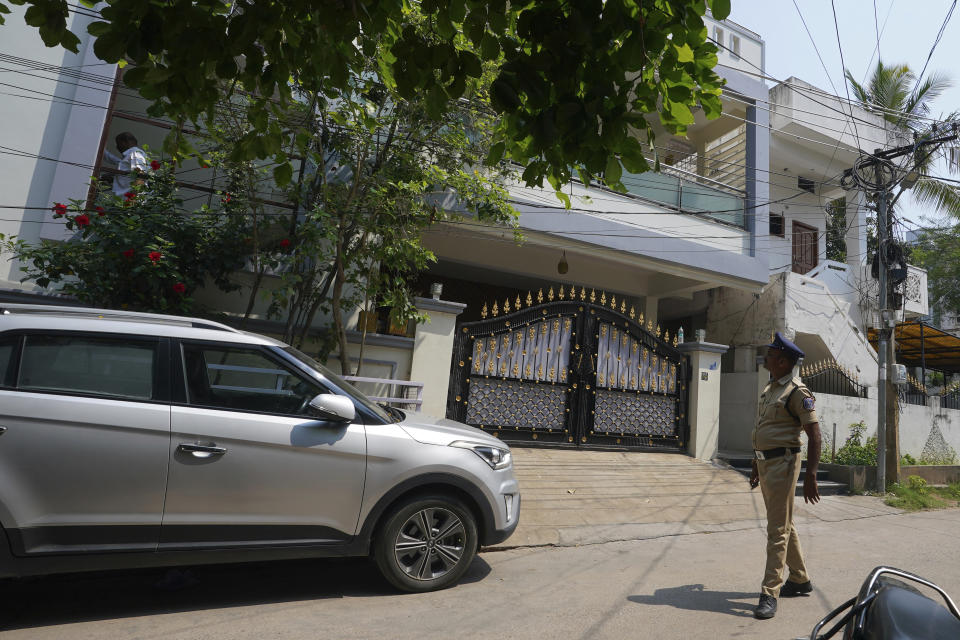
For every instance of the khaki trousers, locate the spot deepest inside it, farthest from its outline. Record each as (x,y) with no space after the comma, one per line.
(778,481)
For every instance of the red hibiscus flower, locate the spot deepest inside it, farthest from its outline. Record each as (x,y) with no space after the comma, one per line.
(82,220)
(100,211)
(180,288)
(226,197)
(154,256)
(154,165)
(204,165)
(129,195)
(285,243)
(59,210)
(128,253)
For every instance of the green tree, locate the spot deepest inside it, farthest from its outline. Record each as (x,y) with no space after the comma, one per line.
(141,252)
(576,79)
(893,93)
(377,171)
(938,251)
(837,230)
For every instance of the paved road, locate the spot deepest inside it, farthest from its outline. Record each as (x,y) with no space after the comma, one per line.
(690,585)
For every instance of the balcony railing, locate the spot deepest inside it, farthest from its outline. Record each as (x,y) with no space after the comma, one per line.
(689,193)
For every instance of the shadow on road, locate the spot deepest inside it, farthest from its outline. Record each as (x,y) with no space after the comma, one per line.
(695,598)
(53,600)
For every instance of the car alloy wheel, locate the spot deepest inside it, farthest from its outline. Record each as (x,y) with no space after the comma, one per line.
(430,543)
(427,544)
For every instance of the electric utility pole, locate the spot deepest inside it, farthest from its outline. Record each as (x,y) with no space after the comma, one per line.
(886,175)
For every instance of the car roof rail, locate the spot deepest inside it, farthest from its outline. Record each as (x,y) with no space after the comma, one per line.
(114,314)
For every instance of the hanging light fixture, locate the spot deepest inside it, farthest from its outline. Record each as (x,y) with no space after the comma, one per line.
(562,266)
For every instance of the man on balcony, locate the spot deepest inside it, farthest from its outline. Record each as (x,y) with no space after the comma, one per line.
(133,159)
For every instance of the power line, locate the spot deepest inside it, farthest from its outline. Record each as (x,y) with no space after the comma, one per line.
(836,26)
(933,48)
(815,47)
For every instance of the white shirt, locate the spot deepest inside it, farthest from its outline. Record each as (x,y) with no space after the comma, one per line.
(133,158)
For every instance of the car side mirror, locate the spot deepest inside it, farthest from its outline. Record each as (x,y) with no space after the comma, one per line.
(334,407)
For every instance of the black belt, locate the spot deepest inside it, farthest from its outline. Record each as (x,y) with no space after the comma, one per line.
(774,453)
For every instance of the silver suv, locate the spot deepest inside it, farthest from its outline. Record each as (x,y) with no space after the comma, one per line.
(133,440)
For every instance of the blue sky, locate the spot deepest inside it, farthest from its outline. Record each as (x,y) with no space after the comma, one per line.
(907,29)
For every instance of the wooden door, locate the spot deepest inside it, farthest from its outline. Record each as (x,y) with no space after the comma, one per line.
(804,247)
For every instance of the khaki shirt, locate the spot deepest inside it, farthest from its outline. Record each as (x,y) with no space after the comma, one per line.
(775,426)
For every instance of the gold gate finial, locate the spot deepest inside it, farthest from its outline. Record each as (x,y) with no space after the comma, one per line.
(593,295)
(517,307)
(506,306)
(658,328)
(633,313)
(561,292)
(583,294)
(603,298)
(540,296)
(483,312)
(529,299)
(623,306)
(613,302)
(494,311)
(550,294)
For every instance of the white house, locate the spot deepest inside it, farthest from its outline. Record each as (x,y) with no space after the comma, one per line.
(727,240)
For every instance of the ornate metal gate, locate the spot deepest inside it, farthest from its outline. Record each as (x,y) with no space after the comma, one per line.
(571,369)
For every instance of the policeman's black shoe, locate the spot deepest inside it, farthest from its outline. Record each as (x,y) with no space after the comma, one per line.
(794,589)
(767,607)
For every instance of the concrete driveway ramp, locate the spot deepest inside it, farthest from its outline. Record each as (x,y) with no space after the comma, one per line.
(573,497)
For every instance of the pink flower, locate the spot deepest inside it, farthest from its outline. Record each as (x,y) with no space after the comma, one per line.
(179,287)
(82,220)
(59,210)
(128,253)
(154,256)
(154,165)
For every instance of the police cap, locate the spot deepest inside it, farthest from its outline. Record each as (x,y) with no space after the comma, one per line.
(791,350)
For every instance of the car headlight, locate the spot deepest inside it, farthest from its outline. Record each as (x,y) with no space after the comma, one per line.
(496,457)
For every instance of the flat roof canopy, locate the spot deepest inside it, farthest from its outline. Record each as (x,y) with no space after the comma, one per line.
(921,345)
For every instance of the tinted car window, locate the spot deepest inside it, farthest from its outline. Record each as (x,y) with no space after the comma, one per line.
(244,380)
(355,394)
(79,364)
(7,346)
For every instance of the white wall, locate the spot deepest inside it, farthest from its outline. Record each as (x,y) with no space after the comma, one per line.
(812,309)
(65,128)
(751,58)
(794,205)
(921,427)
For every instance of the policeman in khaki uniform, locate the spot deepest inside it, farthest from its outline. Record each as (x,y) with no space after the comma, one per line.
(786,409)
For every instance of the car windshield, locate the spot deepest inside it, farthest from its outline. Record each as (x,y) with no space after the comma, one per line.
(385,413)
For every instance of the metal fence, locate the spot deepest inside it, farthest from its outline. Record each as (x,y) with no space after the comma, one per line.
(826,376)
(950,399)
(914,392)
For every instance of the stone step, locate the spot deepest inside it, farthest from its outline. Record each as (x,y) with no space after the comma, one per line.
(826,486)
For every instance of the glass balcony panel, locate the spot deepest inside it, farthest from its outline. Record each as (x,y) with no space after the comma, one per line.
(687,195)
(658,187)
(712,202)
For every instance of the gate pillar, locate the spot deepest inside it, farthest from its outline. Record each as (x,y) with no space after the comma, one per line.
(704,399)
(433,344)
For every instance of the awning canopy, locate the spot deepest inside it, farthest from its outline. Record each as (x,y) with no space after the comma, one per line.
(921,345)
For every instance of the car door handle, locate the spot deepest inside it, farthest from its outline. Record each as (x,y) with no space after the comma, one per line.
(198,450)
